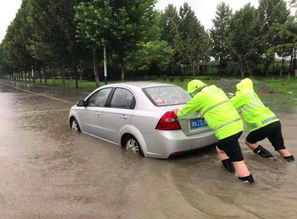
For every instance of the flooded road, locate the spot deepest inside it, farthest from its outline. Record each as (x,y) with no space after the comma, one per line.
(49,171)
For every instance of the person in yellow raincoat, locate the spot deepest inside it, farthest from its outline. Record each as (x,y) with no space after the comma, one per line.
(223,119)
(260,120)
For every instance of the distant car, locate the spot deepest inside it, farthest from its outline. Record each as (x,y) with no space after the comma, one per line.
(138,116)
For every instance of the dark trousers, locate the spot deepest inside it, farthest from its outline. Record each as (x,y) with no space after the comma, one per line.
(231,147)
(273,132)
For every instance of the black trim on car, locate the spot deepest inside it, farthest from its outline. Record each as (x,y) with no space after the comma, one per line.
(133,104)
(107,99)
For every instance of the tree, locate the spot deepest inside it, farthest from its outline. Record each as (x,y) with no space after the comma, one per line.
(16,42)
(169,23)
(270,12)
(219,35)
(152,55)
(293,4)
(4,67)
(47,43)
(191,42)
(286,35)
(116,24)
(242,40)
(42,35)
(63,13)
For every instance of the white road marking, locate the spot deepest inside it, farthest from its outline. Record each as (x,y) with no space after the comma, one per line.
(41,111)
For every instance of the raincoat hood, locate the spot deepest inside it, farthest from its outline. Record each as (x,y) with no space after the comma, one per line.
(245,84)
(194,85)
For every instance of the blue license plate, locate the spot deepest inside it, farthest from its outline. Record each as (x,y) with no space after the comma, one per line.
(197,123)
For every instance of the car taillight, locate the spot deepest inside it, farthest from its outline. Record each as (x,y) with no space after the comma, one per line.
(168,122)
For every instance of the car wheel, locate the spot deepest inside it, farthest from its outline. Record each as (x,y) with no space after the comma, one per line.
(131,144)
(74,125)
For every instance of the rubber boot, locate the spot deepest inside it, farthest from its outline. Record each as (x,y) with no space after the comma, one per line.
(228,165)
(247,179)
(263,152)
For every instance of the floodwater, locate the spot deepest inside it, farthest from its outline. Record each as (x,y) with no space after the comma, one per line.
(49,171)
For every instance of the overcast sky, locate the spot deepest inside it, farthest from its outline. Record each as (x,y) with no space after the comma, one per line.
(204,9)
(8,9)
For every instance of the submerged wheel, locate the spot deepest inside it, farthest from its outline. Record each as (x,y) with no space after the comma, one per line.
(74,125)
(131,144)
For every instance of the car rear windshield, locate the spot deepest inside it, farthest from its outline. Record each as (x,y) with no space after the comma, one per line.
(167,95)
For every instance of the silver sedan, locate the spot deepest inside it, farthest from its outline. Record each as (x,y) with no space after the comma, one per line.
(138,116)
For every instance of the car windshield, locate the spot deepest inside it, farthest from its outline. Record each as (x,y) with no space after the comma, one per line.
(167,95)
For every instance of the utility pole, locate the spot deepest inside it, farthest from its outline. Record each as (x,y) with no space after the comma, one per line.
(105,66)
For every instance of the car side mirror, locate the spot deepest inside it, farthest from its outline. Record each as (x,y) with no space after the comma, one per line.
(81,103)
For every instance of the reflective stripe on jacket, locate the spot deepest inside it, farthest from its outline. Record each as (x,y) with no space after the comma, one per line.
(218,112)
(253,111)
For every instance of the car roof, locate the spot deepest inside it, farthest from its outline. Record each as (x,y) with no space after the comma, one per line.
(141,84)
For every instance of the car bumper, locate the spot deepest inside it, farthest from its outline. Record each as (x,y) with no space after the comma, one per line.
(162,144)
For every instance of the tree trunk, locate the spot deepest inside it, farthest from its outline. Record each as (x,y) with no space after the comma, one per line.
(291,65)
(29,76)
(267,68)
(241,67)
(40,76)
(33,75)
(281,70)
(45,76)
(220,68)
(54,81)
(122,72)
(95,68)
(63,78)
(75,75)
(80,75)
(295,62)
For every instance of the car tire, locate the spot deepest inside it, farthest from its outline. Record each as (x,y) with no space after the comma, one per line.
(74,125)
(131,144)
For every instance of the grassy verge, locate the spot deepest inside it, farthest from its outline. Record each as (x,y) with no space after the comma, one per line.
(90,85)
(280,94)
(282,86)
(279,86)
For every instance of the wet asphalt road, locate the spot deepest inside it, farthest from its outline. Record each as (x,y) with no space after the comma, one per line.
(49,171)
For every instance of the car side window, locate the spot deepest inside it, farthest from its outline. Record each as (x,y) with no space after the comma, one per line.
(99,98)
(123,98)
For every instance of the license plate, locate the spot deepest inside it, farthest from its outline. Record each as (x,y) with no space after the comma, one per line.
(197,123)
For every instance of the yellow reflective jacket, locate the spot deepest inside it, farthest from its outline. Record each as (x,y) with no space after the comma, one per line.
(251,108)
(216,109)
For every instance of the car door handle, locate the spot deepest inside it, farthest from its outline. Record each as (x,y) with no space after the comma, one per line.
(123,117)
(97,114)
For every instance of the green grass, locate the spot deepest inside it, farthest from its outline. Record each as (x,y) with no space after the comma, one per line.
(83,85)
(90,85)
(280,94)
(281,86)
(283,95)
